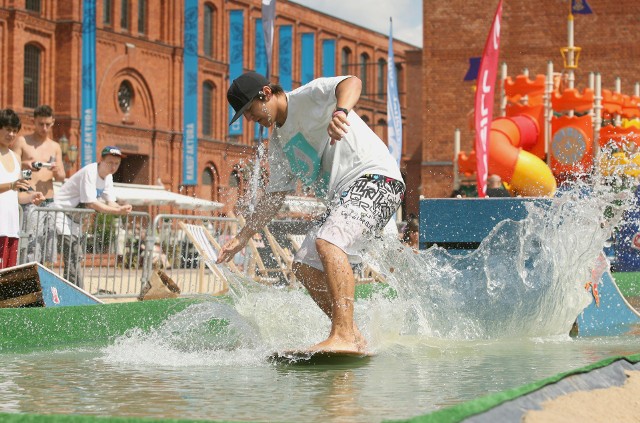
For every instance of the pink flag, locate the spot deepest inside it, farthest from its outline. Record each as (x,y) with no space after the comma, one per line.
(484,100)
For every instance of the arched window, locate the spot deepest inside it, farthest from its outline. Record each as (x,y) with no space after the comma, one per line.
(210,182)
(31,94)
(209,28)
(346,61)
(382,72)
(365,119)
(364,63)
(125,96)
(208,95)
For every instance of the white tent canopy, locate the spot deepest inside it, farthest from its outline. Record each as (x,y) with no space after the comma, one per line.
(155,195)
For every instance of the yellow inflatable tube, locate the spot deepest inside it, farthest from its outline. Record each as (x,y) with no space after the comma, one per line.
(532,177)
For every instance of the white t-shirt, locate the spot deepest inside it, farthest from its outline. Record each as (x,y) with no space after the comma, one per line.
(9,207)
(85,186)
(301,148)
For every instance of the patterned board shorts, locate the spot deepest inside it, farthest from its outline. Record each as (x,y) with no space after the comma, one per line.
(358,215)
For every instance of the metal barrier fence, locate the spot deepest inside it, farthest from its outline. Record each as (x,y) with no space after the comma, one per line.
(115,256)
(173,251)
(100,253)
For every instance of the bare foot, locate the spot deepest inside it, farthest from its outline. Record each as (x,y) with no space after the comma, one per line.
(337,344)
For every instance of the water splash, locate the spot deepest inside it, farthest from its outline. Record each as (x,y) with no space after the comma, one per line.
(525,280)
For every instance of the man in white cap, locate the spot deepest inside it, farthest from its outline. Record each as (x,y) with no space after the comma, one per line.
(318,139)
(91,187)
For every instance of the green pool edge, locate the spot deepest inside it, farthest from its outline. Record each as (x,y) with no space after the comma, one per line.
(465,410)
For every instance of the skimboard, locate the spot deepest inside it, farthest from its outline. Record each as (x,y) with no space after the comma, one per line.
(320,357)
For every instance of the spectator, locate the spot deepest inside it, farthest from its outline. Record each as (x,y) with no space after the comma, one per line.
(11,182)
(495,187)
(42,156)
(86,188)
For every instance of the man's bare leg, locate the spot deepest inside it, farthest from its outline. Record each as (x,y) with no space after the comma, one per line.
(315,282)
(341,283)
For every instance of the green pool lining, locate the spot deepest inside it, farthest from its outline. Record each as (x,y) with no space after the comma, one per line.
(38,328)
(628,283)
(458,413)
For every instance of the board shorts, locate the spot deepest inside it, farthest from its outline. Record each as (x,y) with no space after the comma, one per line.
(351,221)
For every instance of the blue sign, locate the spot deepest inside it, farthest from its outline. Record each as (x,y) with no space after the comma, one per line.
(88,118)
(190,97)
(236,54)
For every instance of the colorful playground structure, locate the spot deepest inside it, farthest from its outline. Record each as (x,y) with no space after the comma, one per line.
(548,133)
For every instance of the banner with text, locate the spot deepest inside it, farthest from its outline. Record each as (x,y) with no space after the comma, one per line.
(88,137)
(236,54)
(190,95)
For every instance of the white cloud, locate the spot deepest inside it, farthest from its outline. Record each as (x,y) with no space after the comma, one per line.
(375,14)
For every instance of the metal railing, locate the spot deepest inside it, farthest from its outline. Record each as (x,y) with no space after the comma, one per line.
(100,253)
(115,256)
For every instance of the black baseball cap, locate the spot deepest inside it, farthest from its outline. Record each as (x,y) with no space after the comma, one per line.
(243,90)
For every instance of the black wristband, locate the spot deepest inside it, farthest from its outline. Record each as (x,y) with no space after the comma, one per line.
(341,109)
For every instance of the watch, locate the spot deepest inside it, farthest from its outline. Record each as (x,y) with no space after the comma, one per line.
(341,109)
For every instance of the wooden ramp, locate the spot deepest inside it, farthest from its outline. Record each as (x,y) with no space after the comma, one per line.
(33,285)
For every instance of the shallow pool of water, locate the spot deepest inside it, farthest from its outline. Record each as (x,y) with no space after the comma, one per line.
(409,376)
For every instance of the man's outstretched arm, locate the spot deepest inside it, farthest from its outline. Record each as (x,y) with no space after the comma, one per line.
(266,208)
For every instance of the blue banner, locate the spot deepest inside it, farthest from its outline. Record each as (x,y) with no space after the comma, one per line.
(261,65)
(236,54)
(190,98)
(328,57)
(394,117)
(286,79)
(88,152)
(308,57)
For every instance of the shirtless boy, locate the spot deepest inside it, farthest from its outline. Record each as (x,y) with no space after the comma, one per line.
(31,149)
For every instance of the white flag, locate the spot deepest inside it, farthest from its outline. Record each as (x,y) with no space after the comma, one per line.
(394,117)
(268,20)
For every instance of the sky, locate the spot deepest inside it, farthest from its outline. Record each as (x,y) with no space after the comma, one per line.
(375,14)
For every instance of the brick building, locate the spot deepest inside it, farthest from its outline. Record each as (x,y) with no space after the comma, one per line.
(139,79)
(532,33)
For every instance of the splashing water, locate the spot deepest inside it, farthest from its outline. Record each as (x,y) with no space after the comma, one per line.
(526,279)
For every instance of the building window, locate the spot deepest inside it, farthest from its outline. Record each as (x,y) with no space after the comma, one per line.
(33,5)
(142,16)
(207,177)
(346,61)
(125,96)
(209,19)
(31,96)
(364,63)
(107,12)
(382,72)
(124,14)
(207,108)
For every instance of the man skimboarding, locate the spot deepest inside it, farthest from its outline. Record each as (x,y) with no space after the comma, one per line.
(318,138)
